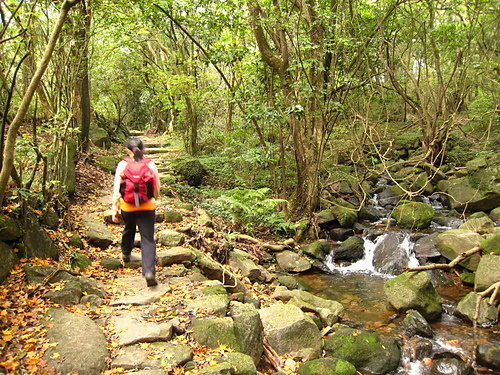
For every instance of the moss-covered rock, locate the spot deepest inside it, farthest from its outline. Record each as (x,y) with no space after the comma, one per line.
(107,163)
(491,245)
(454,242)
(327,366)
(413,215)
(365,350)
(414,291)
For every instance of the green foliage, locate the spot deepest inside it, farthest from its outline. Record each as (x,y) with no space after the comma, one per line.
(251,209)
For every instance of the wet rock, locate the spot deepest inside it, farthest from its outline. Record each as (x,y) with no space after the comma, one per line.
(466,309)
(425,247)
(340,234)
(415,324)
(488,355)
(351,250)
(417,348)
(390,255)
(366,351)
(414,291)
(317,249)
(450,363)
(413,215)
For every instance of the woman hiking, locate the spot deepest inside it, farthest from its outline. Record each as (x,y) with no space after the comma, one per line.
(136,187)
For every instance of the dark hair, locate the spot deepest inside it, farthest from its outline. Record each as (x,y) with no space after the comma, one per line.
(137,147)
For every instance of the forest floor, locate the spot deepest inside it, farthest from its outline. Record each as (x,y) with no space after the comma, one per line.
(23,306)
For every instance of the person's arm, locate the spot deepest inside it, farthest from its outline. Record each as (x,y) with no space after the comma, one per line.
(115,200)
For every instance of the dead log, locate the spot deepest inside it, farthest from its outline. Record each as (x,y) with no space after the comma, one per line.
(272,356)
(268,246)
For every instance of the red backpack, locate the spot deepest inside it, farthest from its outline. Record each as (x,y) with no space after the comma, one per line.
(138,182)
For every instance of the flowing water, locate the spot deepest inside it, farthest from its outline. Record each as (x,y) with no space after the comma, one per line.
(360,289)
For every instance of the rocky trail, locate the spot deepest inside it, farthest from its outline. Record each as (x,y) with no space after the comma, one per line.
(111,322)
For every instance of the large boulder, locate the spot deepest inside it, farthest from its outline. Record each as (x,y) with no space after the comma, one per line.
(292,262)
(365,350)
(454,242)
(169,237)
(351,250)
(35,242)
(487,273)
(478,191)
(317,249)
(413,215)
(290,331)
(9,260)
(192,171)
(479,223)
(79,342)
(466,309)
(10,229)
(248,329)
(488,355)
(327,366)
(491,245)
(336,216)
(309,302)
(414,291)
(215,332)
(391,254)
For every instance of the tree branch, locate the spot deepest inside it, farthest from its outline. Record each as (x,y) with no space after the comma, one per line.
(446,267)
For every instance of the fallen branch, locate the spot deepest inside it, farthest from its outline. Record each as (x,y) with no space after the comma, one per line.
(494,290)
(268,246)
(272,356)
(446,267)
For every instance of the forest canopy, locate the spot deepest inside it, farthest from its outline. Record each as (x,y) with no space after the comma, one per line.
(285,90)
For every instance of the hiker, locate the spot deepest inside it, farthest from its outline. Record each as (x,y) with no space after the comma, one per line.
(135,202)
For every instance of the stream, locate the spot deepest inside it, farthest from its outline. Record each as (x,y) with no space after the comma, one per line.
(360,289)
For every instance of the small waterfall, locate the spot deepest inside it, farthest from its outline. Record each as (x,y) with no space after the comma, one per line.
(387,254)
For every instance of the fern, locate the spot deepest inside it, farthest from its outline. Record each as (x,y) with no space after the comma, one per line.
(251,209)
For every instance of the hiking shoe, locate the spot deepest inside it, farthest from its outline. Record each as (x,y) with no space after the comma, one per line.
(150,279)
(126,258)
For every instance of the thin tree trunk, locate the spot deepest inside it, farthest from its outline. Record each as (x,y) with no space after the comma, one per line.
(10,143)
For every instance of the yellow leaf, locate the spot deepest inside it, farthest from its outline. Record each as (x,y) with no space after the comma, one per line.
(55,356)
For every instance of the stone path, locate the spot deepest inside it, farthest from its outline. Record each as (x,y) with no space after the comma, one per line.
(145,327)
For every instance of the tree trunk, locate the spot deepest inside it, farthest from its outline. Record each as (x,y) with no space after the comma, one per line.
(10,144)
(85,106)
